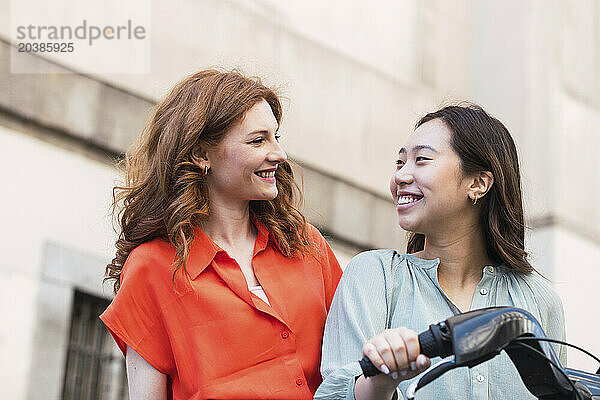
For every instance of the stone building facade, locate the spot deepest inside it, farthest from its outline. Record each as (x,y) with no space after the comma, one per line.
(355,76)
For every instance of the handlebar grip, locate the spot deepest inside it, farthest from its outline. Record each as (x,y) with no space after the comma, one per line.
(427,342)
(428,345)
(368,368)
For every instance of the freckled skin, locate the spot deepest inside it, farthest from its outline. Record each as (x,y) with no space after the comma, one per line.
(240,154)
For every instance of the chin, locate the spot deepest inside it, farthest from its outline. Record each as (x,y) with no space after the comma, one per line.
(267,196)
(407,224)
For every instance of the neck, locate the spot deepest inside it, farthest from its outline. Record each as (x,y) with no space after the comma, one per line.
(462,254)
(229,225)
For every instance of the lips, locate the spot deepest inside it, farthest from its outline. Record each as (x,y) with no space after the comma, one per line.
(407,198)
(267,174)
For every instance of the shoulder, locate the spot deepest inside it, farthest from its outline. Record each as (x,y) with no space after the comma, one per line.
(548,305)
(375,257)
(314,234)
(318,246)
(372,263)
(149,259)
(541,287)
(148,273)
(547,299)
(387,260)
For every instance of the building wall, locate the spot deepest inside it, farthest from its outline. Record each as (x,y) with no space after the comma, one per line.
(57,197)
(356,75)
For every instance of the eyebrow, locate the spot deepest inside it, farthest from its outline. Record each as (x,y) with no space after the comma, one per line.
(419,147)
(261,131)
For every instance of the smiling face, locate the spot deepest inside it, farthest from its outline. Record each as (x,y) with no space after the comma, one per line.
(243,164)
(428,187)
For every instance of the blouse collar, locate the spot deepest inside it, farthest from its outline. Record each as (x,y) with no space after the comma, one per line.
(431,267)
(203,250)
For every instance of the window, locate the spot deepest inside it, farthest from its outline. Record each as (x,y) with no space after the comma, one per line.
(95,368)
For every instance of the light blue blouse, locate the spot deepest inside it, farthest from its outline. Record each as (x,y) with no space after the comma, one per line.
(382,289)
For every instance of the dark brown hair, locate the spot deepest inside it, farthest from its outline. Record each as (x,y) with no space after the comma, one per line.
(484,144)
(164,194)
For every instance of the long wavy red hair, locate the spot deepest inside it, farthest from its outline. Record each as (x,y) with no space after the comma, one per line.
(164,194)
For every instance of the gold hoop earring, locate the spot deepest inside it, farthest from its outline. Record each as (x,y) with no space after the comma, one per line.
(205,170)
(475,200)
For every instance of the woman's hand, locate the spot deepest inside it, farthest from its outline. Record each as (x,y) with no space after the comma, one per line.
(396,353)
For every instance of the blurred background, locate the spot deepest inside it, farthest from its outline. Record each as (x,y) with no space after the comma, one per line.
(355,75)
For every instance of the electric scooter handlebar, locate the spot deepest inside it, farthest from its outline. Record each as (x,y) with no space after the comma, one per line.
(477,336)
(434,342)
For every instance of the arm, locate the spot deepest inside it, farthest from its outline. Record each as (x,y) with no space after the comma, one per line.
(145,381)
(554,325)
(359,312)
(396,352)
(551,314)
(134,318)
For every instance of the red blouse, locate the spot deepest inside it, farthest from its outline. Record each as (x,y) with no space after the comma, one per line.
(212,336)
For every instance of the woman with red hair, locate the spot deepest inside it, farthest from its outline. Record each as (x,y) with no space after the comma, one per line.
(222,287)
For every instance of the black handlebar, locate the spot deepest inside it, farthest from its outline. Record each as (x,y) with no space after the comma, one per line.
(479,335)
(434,342)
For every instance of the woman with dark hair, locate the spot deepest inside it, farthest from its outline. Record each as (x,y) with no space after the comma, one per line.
(222,287)
(457,190)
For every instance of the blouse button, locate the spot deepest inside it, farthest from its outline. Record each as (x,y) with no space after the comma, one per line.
(285,334)
(483,291)
(299,382)
(480,378)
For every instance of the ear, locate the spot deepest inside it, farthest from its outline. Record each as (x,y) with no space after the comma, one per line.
(481,184)
(200,157)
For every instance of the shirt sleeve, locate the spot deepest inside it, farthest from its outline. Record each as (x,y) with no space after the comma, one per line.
(554,320)
(556,328)
(552,316)
(134,316)
(330,267)
(358,312)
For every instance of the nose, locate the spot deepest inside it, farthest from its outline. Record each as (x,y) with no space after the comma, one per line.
(277,155)
(403,175)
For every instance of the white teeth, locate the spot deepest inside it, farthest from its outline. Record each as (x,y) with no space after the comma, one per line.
(407,199)
(266,174)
